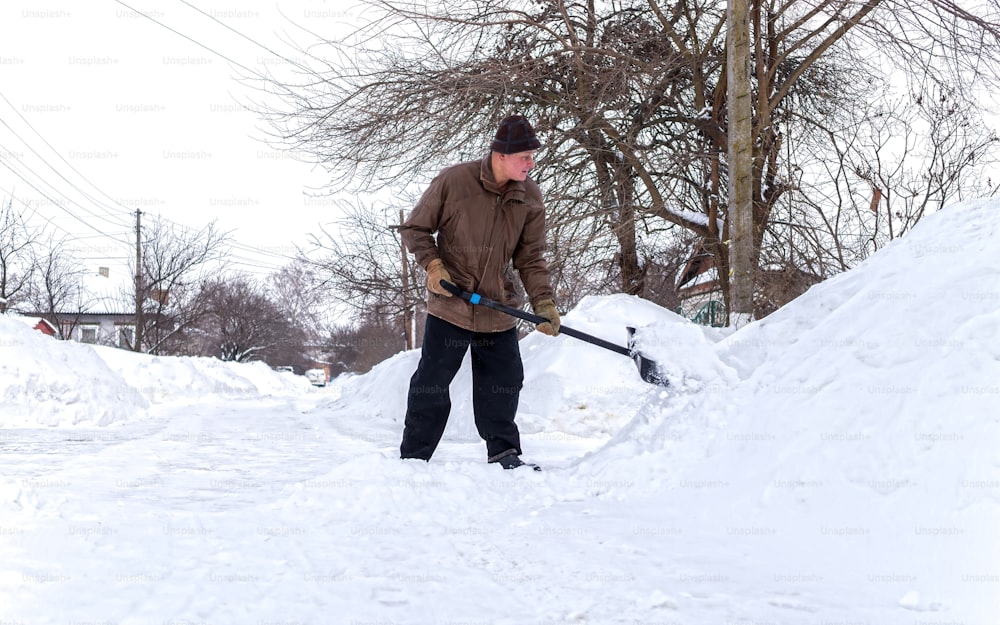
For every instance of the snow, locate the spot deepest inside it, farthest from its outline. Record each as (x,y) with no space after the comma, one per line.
(835,462)
(44,382)
(696,217)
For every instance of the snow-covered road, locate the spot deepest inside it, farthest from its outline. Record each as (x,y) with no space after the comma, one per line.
(276,512)
(251,511)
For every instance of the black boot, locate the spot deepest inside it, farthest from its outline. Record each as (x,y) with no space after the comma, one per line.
(514,461)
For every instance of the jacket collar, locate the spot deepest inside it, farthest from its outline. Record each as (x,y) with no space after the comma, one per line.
(513,191)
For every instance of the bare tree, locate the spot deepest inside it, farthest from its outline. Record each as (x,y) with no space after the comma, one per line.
(632,95)
(877,169)
(243,324)
(296,291)
(359,346)
(56,292)
(16,249)
(357,262)
(952,146)
(175,260)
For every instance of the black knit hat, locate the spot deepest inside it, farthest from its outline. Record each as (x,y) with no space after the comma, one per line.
(514,135)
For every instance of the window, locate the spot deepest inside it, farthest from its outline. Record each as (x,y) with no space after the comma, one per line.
(88,333)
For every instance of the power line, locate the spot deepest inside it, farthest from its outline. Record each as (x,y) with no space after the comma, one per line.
(197,43)
(242,260)
(248,38)
(49,198)
(239,246)
(60,156)
(34,213)
(41,179)
(120,218)
(119,215)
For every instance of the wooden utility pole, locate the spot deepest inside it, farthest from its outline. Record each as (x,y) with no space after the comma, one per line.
(742,257)
(137,338)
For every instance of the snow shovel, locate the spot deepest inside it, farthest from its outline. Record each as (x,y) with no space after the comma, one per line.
(649,371)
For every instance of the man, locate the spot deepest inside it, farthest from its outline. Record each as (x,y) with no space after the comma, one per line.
(488,219)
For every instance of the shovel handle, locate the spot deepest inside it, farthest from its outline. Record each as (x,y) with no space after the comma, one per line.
(479,300)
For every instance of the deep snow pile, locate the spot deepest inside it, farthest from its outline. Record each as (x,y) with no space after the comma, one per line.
(864,424)
(165,378)
(48,382)
(860,422)
(869,415)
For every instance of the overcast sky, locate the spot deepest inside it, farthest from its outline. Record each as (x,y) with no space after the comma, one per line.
(105,111)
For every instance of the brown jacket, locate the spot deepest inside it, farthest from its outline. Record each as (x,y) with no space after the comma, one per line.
(482,232)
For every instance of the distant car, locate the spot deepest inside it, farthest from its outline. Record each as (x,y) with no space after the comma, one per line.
(284,368)
(317,377)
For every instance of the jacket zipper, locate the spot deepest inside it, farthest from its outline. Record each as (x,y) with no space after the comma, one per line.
(488,244)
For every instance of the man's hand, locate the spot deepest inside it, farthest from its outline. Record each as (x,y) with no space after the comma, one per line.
(435,274)
(547,308)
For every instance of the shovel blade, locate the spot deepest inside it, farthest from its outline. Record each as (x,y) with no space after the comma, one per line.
(649,370)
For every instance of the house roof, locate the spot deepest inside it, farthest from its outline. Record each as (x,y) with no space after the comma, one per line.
(101,293)
(33,321)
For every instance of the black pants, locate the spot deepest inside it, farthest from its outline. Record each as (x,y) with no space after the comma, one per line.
(497,377)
